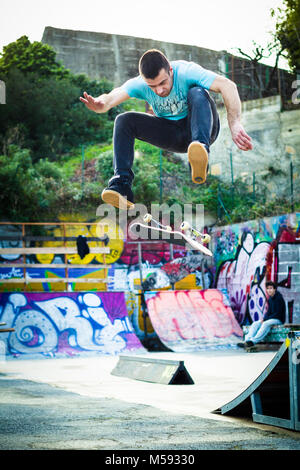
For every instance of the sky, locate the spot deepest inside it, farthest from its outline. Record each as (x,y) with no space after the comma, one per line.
(218,25)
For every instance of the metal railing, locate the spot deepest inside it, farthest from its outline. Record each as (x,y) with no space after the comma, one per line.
(24,238)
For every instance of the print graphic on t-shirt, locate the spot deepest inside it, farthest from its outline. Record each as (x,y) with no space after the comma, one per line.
(175,105)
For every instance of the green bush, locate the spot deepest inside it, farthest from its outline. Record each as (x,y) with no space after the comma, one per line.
(25,192)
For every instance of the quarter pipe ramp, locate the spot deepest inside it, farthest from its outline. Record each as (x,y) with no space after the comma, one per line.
(274,396)
(187,321)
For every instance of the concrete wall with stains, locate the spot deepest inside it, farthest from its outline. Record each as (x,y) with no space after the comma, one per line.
(116,58)
(276,143)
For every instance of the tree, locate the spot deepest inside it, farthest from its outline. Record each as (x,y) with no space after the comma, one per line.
(30,57)
(258,53)
(288,31)
(43,112)
(26,190)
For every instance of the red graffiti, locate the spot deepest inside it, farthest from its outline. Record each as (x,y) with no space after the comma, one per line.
(183,316)
(153,253)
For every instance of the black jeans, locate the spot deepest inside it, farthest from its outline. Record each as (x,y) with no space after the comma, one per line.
(201,124)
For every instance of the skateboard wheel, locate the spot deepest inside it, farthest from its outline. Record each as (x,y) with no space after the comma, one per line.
(147,218)
(206,238)
(185,226)
(168,228)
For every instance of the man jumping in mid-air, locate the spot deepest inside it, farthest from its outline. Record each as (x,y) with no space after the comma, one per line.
(185,118)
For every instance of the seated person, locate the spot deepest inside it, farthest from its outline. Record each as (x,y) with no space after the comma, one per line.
(275,315)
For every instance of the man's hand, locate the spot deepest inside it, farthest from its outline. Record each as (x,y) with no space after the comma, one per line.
(104,102)
(240,137)
(98,105)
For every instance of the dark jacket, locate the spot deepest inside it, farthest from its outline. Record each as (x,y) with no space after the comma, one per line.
(276,308)
(82,246)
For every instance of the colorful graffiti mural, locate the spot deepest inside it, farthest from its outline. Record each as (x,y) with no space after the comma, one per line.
(172,272)
(66,324)
(52,279)
(245,257)
(122,257)
(193,320)
(249,254)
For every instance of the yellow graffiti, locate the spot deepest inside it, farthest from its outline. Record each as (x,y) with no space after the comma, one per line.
(115,241)
(75,231)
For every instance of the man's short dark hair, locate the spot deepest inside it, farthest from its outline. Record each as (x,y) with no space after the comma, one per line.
(271,283)
(152,62)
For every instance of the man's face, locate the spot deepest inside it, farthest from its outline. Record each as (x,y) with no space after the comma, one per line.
(271,291)
(162,84)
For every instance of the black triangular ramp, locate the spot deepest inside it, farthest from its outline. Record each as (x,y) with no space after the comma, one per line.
(153,370)
(270,399)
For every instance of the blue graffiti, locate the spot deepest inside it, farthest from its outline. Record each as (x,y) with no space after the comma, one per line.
(63,325)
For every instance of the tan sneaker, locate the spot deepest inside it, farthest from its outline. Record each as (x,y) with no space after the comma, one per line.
(198,159)
(116,199)
(118,194)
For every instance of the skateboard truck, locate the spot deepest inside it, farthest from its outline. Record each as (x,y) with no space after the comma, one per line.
(184,227)
(148,218)
(193,232)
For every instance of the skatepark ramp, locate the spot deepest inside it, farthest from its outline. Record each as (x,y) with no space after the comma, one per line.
(193,320)
(274,396)
(153,370)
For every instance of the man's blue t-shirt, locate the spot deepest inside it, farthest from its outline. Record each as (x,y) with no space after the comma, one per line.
(174,106)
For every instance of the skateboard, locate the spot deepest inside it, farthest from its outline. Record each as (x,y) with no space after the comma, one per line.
(188,233)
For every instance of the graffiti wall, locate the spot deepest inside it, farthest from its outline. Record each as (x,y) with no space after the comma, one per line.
(249,254)
(187,321)
(66,324)
(119,270)
(47,272)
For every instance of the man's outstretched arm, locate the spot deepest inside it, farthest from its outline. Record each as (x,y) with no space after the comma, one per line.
(229,92)
(105,102)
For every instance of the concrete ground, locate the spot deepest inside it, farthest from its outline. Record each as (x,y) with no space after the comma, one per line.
(76,403)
